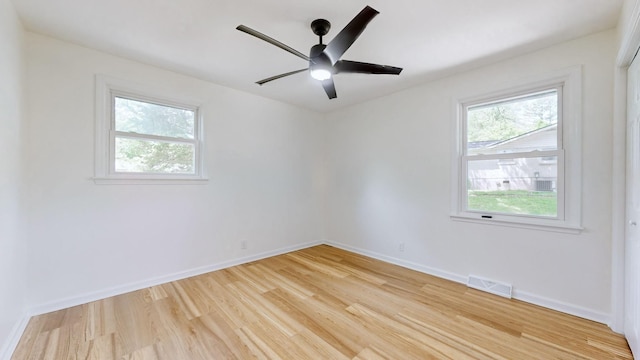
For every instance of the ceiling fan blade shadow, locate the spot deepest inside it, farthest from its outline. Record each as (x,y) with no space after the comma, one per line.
(347,36)
(261,82)
(347,66)
(329,88)
(272,41)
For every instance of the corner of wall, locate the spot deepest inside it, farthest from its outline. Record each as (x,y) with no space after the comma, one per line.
(13,339)
(13,228)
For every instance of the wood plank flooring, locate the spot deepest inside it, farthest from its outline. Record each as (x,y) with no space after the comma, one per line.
(317,303)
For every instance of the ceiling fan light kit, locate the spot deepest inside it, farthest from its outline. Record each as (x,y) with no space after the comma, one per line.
(320,74)
(324,60)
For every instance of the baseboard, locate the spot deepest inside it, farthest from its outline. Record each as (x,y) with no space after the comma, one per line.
(14,337)
(519,295)
(563,307)
(118,290)
(400,262)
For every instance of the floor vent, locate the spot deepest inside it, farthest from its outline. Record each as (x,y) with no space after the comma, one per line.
(490,286)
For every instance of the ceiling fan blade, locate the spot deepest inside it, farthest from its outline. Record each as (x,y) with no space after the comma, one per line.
(346,66)
(272,41)
(261,82)
(329,88)
(347,36)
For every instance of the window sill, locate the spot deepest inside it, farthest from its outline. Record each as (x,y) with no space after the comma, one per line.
(543,225)
(148,181)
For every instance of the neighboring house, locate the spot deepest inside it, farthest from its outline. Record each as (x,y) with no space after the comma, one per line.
(532,174)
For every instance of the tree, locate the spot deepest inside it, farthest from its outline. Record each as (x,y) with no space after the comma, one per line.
(491,123)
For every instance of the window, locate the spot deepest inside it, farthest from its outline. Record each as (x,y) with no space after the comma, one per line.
(143,137)
(516,164)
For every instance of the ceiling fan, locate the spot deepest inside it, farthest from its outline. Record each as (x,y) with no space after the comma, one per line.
(324,60)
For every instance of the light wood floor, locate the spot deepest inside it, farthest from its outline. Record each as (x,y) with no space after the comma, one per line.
(317,303)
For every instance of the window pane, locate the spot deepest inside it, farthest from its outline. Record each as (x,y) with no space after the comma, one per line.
(522,186)
(152,119)
(139,156)
(516,125)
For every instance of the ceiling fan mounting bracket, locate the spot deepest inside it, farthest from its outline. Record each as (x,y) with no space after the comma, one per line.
(320,27)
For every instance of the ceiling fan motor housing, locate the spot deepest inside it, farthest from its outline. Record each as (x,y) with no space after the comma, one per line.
(319,61)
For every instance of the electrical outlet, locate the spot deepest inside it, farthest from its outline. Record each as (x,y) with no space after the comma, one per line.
(401,247)
(243,245)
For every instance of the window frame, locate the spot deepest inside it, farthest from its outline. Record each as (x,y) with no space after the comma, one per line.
(107,89)
(568,83)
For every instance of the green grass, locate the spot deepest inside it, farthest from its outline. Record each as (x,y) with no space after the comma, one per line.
(542,203)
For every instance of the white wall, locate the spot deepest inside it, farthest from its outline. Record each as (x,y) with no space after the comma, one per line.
(12,241)
(263,158)
(389,182)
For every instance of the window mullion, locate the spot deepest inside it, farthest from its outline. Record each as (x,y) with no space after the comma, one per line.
(130,135)
(513,155)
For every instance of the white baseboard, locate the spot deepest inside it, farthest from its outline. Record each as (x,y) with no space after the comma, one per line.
(563,307)
(519,295)
(11,343)
(122,289)
(406,264)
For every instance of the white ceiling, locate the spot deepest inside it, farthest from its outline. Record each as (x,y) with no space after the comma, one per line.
(428,38)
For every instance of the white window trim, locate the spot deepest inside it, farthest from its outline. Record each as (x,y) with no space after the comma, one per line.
(106,88)
(570,217)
